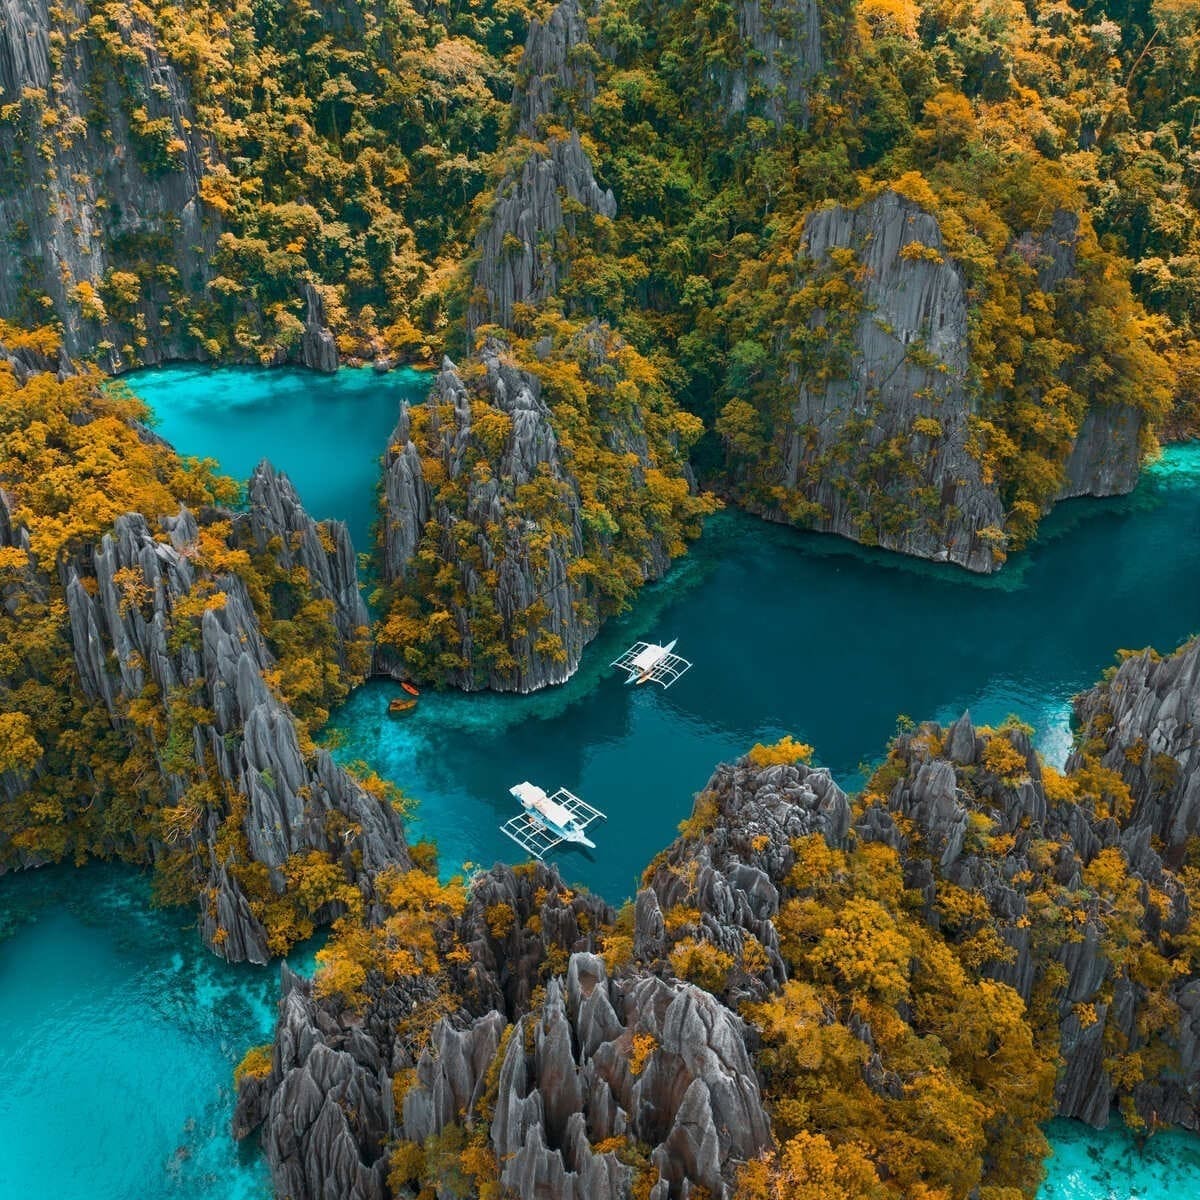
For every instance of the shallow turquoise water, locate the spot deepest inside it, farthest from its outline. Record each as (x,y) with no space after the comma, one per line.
(327,432)
(119,1033)
(790,633)
(1087,1165)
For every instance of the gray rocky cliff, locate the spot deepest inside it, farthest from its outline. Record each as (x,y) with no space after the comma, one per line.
(25,361)
(551,77)
(513,571)
(319,1146)
(781,55)
(1107,451)
(729,873)
(1106,455)
(907,361)
(1144,723)
(134,640)
(73,188)
(318,348)
(522,248)
(539,205)
(277,524)
(691,1096)
(876,446)
(100,172)
(328,1118)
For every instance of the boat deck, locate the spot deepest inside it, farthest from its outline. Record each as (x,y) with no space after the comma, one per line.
(537,838)
(638,659)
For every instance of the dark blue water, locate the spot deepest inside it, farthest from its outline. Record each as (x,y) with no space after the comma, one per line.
(801,634)
(119,1033)
(327,432)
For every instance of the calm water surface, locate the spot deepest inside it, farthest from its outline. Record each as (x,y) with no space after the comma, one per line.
(327,432)
(120,1033)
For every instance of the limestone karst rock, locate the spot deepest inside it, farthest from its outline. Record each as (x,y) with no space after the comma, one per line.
(739,863)
(931,800)
(26,586)
(278,524)
(1146,719)
(123,171)
(134,645)
(780,55)
(521,245)
(556,1081)
(900,376)
(132,186)
(521,260)
(521,578)
(527,560)
(318,349)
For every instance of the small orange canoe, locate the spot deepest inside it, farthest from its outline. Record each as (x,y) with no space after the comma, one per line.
(408,687)
(401,706)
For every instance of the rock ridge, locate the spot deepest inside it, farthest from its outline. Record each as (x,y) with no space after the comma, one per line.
(139,638)
(514,554)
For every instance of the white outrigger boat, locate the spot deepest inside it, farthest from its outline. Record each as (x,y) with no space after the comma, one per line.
(645,662)
(548,820)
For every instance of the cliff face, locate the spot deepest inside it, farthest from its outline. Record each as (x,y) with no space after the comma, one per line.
(876,438)
(162,645)
(486,487)
(521,576)
(1145,724)
(523,247)
(277,524)
(938,503)
(781,54)
(102,155)
(102,165)
(734,875)
(747,850)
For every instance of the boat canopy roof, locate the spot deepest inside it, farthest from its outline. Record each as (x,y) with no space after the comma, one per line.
(648,657)
(528,793)
(656,663)
(533,797)
(554,816)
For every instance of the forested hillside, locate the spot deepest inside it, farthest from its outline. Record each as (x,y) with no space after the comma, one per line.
(929,373)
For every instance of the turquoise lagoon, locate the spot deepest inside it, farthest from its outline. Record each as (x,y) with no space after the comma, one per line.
(1111,1165)
(327,432)
(121,1032)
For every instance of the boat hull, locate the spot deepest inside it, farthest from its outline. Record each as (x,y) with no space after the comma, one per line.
(568,833)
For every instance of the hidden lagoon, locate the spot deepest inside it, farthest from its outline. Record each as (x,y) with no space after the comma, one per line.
(867,637)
